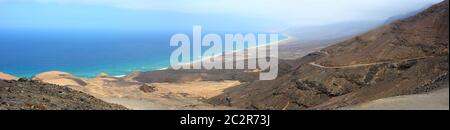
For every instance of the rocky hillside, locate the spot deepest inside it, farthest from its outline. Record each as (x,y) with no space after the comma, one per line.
(423,35)
(33,95)
(406,57)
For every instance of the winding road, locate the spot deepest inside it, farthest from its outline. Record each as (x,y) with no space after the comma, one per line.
(362,65)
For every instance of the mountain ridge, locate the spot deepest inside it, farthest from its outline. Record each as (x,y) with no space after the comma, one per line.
(406,57)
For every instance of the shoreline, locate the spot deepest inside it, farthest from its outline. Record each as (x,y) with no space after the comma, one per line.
(280,42)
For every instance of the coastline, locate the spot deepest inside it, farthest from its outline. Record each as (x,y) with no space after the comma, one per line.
(280,42)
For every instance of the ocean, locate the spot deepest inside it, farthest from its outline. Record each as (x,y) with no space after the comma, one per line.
(25,53)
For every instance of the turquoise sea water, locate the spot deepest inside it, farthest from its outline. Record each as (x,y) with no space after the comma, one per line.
(25,53)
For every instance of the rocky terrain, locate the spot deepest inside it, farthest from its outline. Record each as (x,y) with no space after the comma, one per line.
(374,70)
(25,94)
(406,57)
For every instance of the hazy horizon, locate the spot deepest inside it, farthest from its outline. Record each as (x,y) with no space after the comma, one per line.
(258,15)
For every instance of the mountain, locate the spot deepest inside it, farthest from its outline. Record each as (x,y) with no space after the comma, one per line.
(409,56)
(25,94)
(304,40)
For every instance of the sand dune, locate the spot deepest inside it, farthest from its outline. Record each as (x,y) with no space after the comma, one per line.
(168,96)
(60,78)
(7,76)
(200,89)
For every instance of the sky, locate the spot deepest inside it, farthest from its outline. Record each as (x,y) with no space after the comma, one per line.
(183,14)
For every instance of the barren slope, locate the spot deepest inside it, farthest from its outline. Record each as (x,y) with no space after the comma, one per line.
(406,57)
